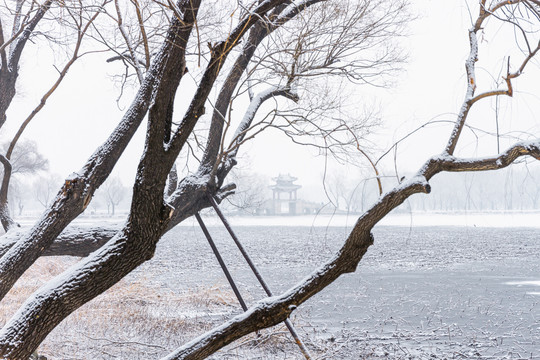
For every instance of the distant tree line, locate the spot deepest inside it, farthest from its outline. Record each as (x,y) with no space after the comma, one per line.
(511,189)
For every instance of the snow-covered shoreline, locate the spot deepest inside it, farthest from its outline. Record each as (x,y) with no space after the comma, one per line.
(473,219)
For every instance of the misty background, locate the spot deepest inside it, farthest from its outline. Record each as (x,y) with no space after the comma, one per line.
(416,112)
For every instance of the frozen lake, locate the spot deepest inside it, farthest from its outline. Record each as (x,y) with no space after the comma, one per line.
(421,292)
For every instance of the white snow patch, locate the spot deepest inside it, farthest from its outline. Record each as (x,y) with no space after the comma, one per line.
(524,283)
(467,219)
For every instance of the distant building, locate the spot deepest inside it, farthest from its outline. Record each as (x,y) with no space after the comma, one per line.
(281,203)
(285,199)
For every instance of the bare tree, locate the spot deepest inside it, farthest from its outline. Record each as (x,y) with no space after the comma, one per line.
(25,160)
(16,197)
(251,193)
(44,188)
(29,21)
(113,193)
(257,29)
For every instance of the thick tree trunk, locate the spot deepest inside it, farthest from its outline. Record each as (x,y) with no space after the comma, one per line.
(172,181)
(149,215)
(74,241)
(8,79)
(128,249)
(5,216)
(77,192)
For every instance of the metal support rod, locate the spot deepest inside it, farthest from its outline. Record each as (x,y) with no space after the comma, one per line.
(221,262)
(258,275)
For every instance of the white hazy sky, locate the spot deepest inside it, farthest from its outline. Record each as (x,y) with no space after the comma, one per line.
(83,111)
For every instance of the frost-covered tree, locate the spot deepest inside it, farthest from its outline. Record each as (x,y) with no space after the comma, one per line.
(274,53)
(112,192)
(44,188)
(252,190)
(24,160)
(23,22)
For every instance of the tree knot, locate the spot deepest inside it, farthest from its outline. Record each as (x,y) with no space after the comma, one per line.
(166,213)
(72,187)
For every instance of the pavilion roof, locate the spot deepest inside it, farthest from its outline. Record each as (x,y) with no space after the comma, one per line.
(285,183)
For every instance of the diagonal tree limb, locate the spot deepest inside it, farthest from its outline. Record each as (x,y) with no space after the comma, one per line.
(273,310)
(278,18)
(135,243)
(76,193)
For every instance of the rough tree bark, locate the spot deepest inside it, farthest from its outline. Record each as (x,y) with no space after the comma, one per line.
(78,190)
(149,215)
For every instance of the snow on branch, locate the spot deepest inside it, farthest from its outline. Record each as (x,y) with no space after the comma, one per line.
(255,104)
(219,53)
(273,310)
(452,164)
(74,241)
(470,66)
(21,37)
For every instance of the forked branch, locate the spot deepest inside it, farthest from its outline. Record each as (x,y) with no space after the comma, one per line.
(470,98)
(273,310)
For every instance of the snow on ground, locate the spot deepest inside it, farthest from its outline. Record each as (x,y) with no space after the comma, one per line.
(420,293)
(459,290)
(473,219)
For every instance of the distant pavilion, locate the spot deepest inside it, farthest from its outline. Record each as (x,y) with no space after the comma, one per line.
(284,185)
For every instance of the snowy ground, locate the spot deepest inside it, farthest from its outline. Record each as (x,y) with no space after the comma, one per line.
(421,292)
(426,292)
(468,219)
